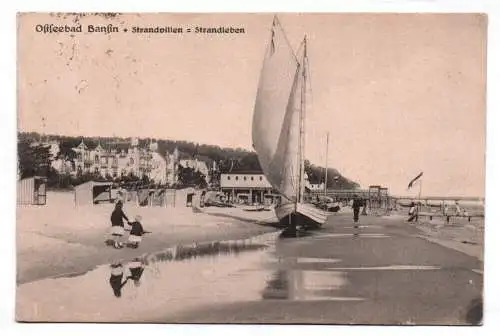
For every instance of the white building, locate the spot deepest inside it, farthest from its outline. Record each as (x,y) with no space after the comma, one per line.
(315,187)
(252,185)
(172,166)
(117,159)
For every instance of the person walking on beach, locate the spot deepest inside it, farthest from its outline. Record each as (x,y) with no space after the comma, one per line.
(363,212)
(117,225)
(412,212)
(115,280)
(458,210)
(357,203)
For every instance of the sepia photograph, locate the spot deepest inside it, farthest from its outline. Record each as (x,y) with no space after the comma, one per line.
(251,168)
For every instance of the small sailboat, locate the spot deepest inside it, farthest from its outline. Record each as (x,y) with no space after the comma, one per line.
(278,130)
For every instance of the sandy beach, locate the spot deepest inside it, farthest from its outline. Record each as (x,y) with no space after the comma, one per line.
(61,239)
(460,234)
(329,276)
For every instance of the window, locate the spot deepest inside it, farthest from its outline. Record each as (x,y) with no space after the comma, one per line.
(131,160)
(251,178)
(236,178)
(260,178)
(96,159)
(244,178)
(228,178)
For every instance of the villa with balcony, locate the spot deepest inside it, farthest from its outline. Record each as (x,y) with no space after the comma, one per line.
(120,159)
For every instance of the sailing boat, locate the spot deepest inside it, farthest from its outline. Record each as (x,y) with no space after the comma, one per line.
(278,130)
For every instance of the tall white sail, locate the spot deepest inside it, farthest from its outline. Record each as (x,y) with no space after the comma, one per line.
(278,126)
(275,132)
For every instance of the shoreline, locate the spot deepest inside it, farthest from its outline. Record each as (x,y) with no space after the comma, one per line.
(49,246)
(60,239)
(92,258)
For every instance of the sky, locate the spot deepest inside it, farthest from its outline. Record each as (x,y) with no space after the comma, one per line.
(398,93)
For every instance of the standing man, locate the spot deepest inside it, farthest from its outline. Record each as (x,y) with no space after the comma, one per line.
(413,212)
(458,210)
(357,203)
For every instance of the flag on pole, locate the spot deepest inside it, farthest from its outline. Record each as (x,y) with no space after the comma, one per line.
(415,180)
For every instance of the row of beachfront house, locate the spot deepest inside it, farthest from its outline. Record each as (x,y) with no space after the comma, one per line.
(124,158)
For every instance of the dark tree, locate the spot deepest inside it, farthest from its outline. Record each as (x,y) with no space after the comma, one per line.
(249,162)
(190,177)
(316,175)
(33,159)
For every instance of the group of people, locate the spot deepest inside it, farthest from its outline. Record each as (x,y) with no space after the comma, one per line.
(413,211)
(118,228)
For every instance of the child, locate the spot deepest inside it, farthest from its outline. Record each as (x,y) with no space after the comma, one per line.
(136,232)
(117,225)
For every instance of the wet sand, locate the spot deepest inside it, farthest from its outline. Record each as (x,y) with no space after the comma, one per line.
(460,235)
(380,273)
(60,238)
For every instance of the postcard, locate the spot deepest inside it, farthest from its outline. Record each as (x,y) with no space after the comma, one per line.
(259,168)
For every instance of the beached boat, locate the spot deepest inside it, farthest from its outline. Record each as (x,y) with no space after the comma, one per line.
(278,130)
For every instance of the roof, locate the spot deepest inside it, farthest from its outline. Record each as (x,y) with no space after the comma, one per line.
(119,146)
(36,177)
(93,183)
(243,172)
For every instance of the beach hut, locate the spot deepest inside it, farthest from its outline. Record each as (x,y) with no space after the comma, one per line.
(32,191)
(184,197)
(93,193)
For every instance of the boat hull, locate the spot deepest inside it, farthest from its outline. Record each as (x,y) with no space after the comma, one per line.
(306,216)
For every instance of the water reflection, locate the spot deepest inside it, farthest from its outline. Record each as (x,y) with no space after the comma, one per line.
(136,269)
(294,279)
(306,285)
(123,272)
(277,286)
(196,279)
(197,250)
(117,279)
(172,281)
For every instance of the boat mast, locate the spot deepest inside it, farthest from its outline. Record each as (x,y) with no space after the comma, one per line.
(302,123)
(326,162)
